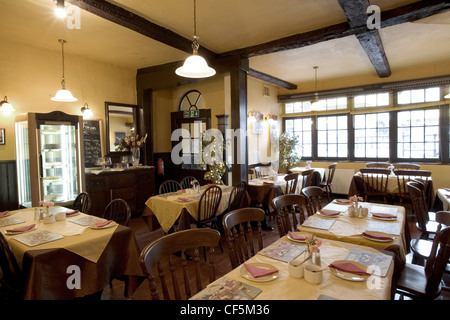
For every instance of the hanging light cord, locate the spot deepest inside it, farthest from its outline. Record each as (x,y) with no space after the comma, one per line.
(195,44)
(316,94)
(63,81)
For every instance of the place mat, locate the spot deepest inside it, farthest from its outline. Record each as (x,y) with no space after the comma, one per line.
(385,227)
(283,251)
(86,221)
(335,207)
(37,238)
(228,289)
(10,221)
(319,223)
(376,262)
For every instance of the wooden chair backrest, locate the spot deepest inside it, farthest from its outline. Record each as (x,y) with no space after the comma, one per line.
(169,186)
(239,233)
(331,171)
(187,182)
(160,252)
(314,196)
(291,183)
(382,165)
(82,202)
(404,176)
(375,179)
(418,204)
(209,203)
(307,176)
(286,208)
(119,211)
(406,166)
(237,196)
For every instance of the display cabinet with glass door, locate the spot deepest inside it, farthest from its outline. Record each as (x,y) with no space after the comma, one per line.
(50,160)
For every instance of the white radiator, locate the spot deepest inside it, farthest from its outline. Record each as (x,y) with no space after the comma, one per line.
(341,180)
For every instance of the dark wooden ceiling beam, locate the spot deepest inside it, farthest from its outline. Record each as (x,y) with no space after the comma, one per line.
(130,20)
(370,40)
(270,79)
(407,13)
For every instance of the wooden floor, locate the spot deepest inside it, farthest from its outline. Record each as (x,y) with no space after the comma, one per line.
(144,236)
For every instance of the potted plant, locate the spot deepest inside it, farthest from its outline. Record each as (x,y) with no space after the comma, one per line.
(287,153)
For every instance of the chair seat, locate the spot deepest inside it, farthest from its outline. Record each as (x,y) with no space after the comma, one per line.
(431,227)
(413,280)
(421,247)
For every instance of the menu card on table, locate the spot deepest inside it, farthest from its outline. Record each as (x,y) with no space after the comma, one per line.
(283,251)
(377,263)
(383,210)
(228,289)
(86,220)
(336,207)
(10,221)
(37,238)
(385,227)
(318,223)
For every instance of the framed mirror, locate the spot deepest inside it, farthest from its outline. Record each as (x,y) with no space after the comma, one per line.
(121,120)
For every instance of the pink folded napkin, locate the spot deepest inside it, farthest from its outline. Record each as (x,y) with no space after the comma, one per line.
(447,189)
(342,201)
(296,236)
(383,215)
(184,199)
(329,212)
(259,272)
(376,236)
(4,213)
(267,182)
(22,229)
(103,223)
(72,212)
(349,267)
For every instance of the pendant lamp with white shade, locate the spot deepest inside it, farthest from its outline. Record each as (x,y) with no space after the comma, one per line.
(63,95)
(195,66)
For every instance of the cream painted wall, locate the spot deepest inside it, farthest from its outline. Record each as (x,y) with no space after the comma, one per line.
(31,75)
(261,144)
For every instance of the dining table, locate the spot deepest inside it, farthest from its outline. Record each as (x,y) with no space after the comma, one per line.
(181,207)
(318,174)
(240,284)
(72,257)
(357,187)
(443,195)
(382,227)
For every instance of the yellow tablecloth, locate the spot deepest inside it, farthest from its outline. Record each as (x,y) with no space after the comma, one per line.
(288,288)
(167,208)
(84,241)
(349,230)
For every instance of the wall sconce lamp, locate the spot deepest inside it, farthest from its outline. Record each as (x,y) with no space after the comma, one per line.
(87,113)
(271,118)
(251,117)
(5,106)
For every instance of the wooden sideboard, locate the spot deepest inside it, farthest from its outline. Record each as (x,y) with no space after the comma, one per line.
(134,186)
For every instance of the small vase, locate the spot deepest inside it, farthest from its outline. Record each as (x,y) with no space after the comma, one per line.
(135,155)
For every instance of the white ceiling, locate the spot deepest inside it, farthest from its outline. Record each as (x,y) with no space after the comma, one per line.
(228,25)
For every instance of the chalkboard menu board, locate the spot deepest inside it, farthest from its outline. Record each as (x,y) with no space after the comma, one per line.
(92,142)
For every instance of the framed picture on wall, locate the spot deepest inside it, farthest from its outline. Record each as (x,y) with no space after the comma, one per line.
(119,135)
(2,136)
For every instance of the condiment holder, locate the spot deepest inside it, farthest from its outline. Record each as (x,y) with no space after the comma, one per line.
(296,269)
(60,216)
(49,219)
(313,273)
